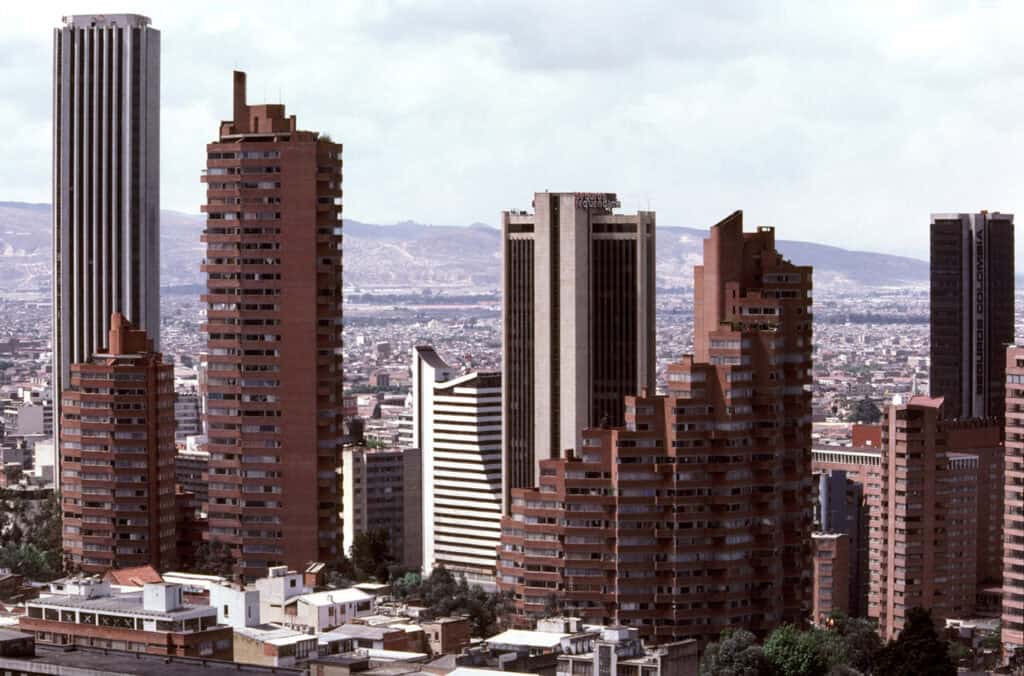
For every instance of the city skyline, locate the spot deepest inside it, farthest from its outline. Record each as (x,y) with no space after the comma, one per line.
(855,126)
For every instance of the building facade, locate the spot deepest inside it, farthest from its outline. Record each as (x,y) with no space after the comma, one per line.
(842,510)
(923,520)
(696,515)
(1013,524)
(117,448)
(832,569)
(983,438)
(578,317)
(972,311)
(274,402)
(186,416)
(457,427)
(381,491)
(155,621)
(106,183)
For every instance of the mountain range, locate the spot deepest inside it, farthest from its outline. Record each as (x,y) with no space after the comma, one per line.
(411,254)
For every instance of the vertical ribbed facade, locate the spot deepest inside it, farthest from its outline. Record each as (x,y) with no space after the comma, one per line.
(457,427)
(106,183)
(273,388)
(578,316)
(972,311)
(117,445)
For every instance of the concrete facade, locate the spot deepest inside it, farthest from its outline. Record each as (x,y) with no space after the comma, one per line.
(106,183)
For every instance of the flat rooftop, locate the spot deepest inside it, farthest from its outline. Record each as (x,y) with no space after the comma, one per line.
(123,604)
(81,661)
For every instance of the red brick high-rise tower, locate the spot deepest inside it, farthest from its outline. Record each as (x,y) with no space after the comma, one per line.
(117,444)
(696,515)
(274,381)
(1013,515)
(924,520)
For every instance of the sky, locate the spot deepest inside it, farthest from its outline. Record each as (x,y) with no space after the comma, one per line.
(840,123)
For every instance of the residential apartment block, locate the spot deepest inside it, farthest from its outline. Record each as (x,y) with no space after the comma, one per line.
(117,456)
(275,405)
(923,520)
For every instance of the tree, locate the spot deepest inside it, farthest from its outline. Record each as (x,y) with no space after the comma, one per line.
(866,412)
(918,650)
(447,595)
(215,558)
(802,653)
(31,541)
(340,572)
(860,640)
(736,653)
(371,554)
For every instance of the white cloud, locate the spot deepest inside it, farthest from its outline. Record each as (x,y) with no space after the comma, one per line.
(844,123)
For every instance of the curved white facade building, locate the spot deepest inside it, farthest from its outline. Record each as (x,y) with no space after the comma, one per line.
(457,426)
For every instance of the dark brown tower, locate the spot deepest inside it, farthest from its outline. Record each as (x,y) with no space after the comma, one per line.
(274,378)
(117,444)
(971,311)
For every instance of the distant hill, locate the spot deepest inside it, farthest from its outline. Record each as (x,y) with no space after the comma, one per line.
(414,254)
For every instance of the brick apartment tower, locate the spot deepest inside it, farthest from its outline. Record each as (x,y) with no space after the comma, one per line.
(971,311)
(696,515)
(831,575)
(1013,525)
(274,375)
(923,520)
(579,326)
(117,443)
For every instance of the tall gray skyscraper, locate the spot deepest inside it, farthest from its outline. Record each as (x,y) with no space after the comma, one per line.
(578,314)
(972,311)
(106,183)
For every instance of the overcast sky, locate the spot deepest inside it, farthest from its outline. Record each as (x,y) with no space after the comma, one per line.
(838,123)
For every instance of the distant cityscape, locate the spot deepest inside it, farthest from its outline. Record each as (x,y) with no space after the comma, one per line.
(267,439)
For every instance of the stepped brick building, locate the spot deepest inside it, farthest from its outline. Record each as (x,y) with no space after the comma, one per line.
(117,443)
(696,515)
(275,405)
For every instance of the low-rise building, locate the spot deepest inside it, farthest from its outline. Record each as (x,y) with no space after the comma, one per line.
(285,600)
(155,620)
(270,645)
(447,635)
(368,637)
(618,651)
